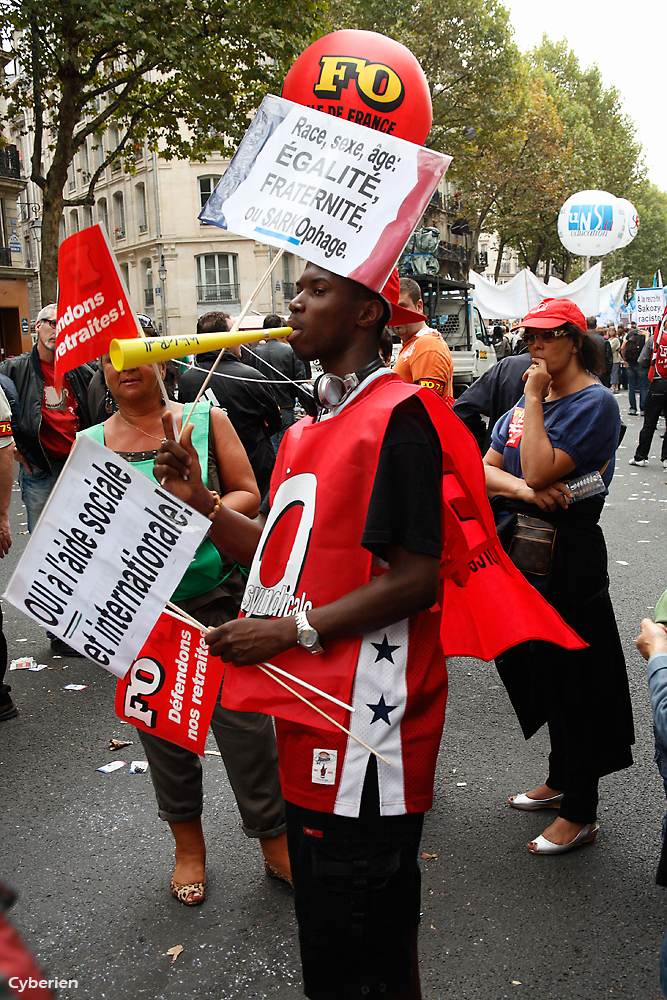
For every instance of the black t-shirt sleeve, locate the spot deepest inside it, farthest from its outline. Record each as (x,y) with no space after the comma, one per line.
(406,503)
(405,508)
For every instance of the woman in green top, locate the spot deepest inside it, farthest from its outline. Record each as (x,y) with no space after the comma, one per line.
(211,590)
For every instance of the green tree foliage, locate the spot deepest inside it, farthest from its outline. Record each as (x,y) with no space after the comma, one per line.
(477,85)
(186,72)
(525,132)
(647,253)
(601,151)
(464,47)
(510,176)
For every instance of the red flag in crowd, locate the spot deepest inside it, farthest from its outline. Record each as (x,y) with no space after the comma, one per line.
(93,307)
(172,687)
(659,356)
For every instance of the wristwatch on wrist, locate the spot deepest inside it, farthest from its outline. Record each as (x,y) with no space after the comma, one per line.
(308,637)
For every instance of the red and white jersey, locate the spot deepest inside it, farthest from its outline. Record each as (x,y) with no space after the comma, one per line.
(399,697)
(310,554)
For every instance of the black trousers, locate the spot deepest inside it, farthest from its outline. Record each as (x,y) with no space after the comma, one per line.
(569,774)
(653,407)
(4,688)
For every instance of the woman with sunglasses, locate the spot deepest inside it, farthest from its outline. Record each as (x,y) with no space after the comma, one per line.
(564,426)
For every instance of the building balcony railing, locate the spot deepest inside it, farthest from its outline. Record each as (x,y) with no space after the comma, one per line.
(451,251)
(289,290)
(229,292)
(119,233)
(5,257)
(143,227)
(148,297)
(10,162)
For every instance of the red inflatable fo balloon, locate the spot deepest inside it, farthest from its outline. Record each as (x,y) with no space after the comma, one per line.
(364,77)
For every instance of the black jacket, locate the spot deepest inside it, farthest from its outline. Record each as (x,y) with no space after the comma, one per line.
(248,402)
(491,395)
(25,371)
(280,357)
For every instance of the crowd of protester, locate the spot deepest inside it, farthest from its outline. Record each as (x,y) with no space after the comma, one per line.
(545,419)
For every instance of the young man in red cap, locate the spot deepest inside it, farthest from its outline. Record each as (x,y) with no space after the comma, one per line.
(367,570)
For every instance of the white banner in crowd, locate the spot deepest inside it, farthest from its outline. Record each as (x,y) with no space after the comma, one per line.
(649,306)
(107,553)
(525,291)
(341,195)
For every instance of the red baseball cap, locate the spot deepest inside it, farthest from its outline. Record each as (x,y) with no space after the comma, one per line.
(553,313)
(399,315)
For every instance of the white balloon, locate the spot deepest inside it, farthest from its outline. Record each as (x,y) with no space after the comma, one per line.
(631,222)
(592,223)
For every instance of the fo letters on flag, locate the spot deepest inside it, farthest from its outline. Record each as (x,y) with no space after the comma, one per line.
(172,687)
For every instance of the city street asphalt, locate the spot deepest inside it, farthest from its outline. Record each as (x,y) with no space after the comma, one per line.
(91,861)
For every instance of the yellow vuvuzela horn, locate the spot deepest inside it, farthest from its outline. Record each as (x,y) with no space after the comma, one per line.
(145,350)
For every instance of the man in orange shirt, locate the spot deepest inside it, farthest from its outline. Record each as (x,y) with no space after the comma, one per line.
(424,358)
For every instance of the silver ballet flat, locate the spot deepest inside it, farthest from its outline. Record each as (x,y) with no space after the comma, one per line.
(586,835)
(523,802)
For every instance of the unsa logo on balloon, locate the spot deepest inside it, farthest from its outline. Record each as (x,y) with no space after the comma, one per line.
(586,218)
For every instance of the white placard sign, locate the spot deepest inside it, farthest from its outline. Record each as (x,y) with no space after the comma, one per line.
(341,195)
(108,551)
(650,304)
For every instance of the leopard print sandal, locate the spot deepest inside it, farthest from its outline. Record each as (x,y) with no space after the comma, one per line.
(183,892)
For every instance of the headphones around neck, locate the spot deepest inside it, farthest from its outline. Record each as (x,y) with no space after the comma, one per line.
(331,390)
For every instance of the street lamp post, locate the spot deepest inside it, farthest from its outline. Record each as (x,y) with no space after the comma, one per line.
(162,275)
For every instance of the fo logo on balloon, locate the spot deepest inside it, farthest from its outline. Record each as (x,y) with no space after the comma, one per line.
(378,85)
(363,77)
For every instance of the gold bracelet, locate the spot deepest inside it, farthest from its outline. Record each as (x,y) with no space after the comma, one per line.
(216,505)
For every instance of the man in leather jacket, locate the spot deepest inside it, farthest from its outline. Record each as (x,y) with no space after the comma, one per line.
(48,423)
(49,420)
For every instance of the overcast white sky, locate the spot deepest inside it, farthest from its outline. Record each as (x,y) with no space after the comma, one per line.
(625,40)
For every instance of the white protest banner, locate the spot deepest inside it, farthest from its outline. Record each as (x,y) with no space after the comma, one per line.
(650,304)
(106,555)
(344,196)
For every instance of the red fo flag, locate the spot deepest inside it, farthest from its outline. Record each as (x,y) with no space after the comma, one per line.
(172,687)
(93,307)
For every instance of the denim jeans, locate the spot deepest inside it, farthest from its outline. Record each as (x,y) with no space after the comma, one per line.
(36,488)
(637,380)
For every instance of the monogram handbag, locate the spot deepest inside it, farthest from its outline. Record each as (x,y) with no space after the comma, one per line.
(532,545)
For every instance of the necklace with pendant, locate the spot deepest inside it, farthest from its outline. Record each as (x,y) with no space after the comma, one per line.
(140,429)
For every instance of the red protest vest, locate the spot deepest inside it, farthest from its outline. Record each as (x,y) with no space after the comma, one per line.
(310,552)
(659,357)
